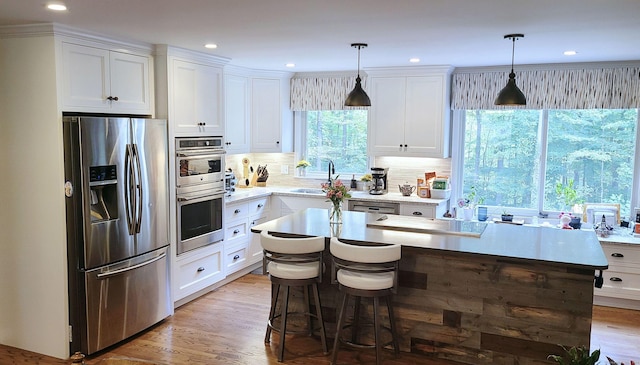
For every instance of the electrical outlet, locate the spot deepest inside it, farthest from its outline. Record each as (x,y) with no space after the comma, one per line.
(285,169)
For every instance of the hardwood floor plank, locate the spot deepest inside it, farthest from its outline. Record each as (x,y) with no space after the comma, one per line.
(227,327)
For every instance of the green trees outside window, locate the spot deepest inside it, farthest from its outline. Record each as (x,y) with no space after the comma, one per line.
(337,135)
(567,157)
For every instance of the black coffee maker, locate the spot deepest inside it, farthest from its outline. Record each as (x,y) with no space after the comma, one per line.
(379,180)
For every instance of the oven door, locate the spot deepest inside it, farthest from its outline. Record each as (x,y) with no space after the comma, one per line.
(199,219)
(199,168)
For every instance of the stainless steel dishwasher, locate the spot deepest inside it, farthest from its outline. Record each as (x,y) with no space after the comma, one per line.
(374,207)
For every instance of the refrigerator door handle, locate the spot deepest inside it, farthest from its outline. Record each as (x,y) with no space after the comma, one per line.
(129,193)
(109,274)
(138,188)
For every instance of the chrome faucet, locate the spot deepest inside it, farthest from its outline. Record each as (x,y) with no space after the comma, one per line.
(332,170)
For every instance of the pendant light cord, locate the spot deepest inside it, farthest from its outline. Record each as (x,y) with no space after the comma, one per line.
(513,51)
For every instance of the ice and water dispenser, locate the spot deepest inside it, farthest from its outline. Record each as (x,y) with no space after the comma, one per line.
(103,186)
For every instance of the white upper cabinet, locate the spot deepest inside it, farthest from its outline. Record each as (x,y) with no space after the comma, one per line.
(197,99)
(190,91)
(100,80)
(237,117)
(409,114)
(271,117)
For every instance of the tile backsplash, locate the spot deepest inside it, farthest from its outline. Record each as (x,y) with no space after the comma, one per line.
(401,169)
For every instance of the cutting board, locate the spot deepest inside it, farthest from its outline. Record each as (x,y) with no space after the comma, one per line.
(427,225)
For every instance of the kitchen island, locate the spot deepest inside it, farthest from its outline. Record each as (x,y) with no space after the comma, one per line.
(508,295)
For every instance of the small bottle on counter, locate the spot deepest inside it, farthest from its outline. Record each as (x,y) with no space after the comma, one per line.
(354,183)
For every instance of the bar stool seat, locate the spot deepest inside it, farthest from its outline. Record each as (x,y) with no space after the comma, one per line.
(293,262)
(293,271)
(372,281)
(365,272)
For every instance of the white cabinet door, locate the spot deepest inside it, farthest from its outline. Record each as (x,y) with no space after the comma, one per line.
(198,269)
(99,80)
(423,127)
(387,115)
(86,77)
(196,95)
(237,122)
(130,82)
(265,115)
(418,210)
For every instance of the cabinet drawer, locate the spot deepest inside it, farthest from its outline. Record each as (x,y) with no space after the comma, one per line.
(619,284)
(235,257)
(258,206)
(235,231)
(623,255)
(236,211)
(418,210)
(197,271)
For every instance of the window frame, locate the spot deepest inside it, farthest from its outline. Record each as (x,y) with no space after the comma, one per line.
(457,166)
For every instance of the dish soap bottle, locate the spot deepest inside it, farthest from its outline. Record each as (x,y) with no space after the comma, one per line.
(353,182)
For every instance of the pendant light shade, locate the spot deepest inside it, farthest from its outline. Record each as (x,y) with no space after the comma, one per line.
(510,94)
(358,97)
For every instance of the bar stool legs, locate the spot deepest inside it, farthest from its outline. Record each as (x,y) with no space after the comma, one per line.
(284,312)
(340,326)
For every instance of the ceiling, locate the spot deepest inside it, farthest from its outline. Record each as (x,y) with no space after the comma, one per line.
(316,34)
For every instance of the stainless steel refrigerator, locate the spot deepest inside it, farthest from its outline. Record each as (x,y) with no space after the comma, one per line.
(116,188)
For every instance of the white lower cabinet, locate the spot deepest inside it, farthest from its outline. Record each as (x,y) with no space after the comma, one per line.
(292,204)
(198,269)
(621,284)
(242,248)
(423,210)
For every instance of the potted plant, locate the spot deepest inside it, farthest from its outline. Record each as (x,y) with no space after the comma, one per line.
(302,167)
(579,355)
(364,182)
(506,216)
(572,202)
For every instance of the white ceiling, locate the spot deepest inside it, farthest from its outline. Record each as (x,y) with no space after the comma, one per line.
(316,34)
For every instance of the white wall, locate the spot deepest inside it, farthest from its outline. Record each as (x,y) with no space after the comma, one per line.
(33,275)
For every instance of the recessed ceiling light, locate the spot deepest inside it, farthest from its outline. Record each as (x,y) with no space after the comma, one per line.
(570,53)
(290,65)
(414,60)
(211,46)
(56,7)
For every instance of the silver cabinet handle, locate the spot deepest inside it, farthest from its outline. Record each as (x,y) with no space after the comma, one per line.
(615,254)
(417,213)
(200,269)
(615,278)
(236,231)
(236,257)
(260,205)
(236,211)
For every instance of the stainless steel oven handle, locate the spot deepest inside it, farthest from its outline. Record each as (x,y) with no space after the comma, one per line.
(216,195)
(201,155)
(129,268)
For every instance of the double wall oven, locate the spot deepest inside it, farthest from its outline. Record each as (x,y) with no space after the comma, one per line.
(200,190)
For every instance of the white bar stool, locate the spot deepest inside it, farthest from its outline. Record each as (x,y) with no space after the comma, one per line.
(369,272)
(293,262)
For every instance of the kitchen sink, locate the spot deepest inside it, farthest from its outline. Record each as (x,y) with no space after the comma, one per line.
(308,191)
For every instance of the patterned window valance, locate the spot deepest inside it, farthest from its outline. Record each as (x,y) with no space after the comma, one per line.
(322,92)
(586,88)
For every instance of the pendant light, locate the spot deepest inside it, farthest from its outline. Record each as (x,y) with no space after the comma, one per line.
(511,95)
(358,97)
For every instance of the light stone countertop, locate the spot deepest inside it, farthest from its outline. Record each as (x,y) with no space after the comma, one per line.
(574,248)
(391,197)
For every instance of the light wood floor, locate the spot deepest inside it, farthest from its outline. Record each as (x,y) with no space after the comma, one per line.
(227,327)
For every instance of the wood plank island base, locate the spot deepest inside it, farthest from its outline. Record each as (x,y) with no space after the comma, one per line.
(514,295)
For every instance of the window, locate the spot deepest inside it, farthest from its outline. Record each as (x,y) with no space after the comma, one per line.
(336,135)
(550,160)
